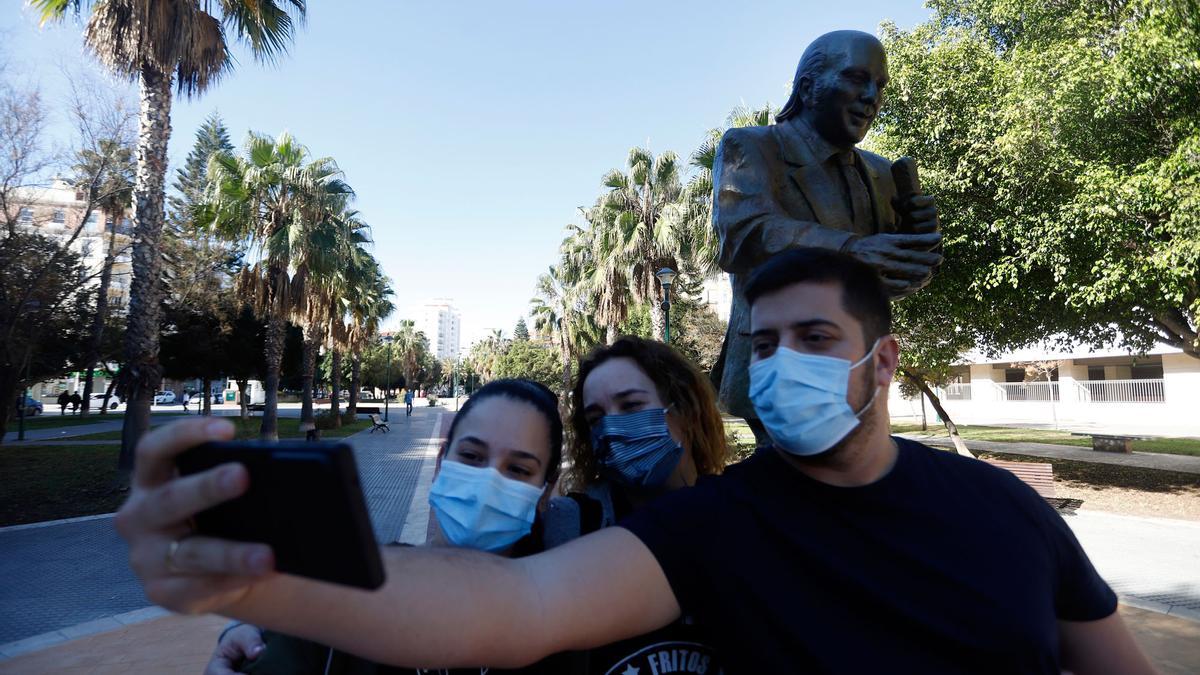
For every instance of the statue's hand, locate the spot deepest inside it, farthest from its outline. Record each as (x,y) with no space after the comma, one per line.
(919,214)
(905,261)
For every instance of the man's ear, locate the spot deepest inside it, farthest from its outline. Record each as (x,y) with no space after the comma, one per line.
(887,359)
(806,91)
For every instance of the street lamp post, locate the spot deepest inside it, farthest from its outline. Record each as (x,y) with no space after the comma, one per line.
(454,381)
(666,276)
(387,385)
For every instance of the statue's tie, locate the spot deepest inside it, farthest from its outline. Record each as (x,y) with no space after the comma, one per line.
(860,198)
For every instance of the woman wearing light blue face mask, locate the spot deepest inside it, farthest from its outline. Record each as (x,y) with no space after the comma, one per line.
(644,421)
(499,462)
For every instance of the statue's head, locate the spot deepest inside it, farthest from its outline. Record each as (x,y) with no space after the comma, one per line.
(839,86)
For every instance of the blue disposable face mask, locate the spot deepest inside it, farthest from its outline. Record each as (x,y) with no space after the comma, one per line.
(636,449)
(801,399)
(478,508)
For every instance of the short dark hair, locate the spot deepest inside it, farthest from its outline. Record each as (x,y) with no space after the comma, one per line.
(526,391)
(864,296)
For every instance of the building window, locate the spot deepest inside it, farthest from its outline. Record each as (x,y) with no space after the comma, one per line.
(1148,371)
(59,217)
(25,215)
(1096,373)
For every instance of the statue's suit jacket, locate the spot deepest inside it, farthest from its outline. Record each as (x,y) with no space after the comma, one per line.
(771,194)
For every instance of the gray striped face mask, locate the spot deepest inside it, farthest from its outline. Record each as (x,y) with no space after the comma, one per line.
(636,449)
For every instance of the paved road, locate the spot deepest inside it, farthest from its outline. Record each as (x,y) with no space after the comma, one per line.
(67,574)
(1152,563)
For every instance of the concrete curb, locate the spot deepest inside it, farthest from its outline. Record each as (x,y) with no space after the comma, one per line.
(101,625)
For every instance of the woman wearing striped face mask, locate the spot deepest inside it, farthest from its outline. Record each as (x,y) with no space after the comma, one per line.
(644,421)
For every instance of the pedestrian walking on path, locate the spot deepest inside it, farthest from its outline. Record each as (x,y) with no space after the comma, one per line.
(76,403)
(408,402)
(64,399)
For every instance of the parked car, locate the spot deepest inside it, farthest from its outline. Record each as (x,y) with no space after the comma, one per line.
(33,407)
(164,398)
(365,395)
(113,401)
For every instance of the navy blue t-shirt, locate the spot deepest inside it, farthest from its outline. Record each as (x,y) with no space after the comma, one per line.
(946,564)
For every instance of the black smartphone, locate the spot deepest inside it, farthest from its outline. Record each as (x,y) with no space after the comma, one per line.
(304,500)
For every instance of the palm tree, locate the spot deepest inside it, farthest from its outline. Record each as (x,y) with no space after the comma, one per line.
(411,346)
(637,231)
(272,198)
(158,43)
(335,258)
(369,306)
(560,314)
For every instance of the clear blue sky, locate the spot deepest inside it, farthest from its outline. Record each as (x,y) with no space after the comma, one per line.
(472,131)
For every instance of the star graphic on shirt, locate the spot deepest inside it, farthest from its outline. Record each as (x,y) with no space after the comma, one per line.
(630,670)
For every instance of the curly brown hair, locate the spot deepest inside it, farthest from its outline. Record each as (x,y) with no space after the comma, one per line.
(680,385)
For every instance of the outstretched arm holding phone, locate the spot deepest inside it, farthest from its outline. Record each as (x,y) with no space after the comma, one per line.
(438,608)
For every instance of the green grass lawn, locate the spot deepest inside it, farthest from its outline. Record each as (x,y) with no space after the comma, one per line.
(247,430)
(1170,446)
(51,482)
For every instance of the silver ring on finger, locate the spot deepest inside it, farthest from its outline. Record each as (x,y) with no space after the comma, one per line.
(172,550)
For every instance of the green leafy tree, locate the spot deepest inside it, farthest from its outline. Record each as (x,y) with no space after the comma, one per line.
(1061,140)
(530,360)
(157,44)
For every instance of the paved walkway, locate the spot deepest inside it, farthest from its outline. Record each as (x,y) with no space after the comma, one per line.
(1145,460)
(1152,563)
(71,578)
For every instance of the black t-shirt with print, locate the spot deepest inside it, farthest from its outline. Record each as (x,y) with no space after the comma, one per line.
(946,564)
(681,648)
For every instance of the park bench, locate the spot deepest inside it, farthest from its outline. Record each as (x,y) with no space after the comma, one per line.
(1040,477)
(1112,442)
(377,424)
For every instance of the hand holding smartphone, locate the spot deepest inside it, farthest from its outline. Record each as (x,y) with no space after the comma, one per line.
(304,500)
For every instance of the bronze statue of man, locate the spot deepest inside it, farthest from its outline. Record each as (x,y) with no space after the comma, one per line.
(801,182)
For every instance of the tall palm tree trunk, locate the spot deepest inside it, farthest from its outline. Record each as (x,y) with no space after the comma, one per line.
(355,383)
(306,376)
(206,407)
(610,333)
(143,371)
(269,431)
(93,352)
(335,384)
(658,320)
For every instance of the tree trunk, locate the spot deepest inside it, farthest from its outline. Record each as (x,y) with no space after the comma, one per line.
(924,423)
(143,373)
(269,431)
(98,320)
(243,404)
(566,367)
(108,391)
(658,321)
(951,427)
(355,383)
(306,376)
(206,407)
(335,384)
(9,391)
(610,334)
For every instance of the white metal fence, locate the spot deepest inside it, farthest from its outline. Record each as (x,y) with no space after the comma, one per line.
(959,391)
(1028,391)
(1120,391)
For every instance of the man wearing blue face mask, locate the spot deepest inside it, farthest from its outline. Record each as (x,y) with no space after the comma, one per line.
(838,550)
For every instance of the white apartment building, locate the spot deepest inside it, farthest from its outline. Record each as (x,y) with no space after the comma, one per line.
(717,293)
(441,323)
(1154,394)
(57,210)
